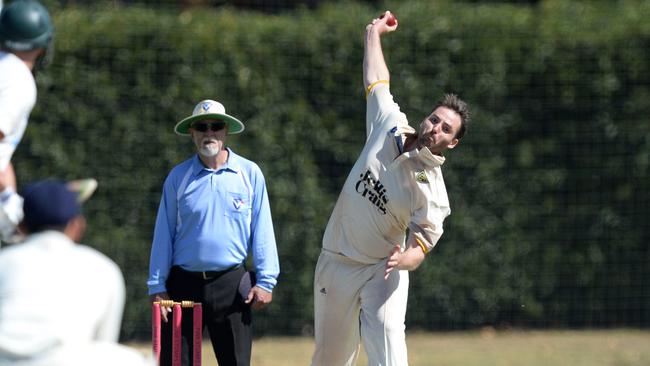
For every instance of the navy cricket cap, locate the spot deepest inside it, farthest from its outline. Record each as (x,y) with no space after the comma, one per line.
(48,203)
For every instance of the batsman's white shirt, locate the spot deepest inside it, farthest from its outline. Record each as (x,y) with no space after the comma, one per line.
(17,99)
(387,190)
(58,298)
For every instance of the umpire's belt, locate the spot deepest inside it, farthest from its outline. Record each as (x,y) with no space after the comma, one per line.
(206,275)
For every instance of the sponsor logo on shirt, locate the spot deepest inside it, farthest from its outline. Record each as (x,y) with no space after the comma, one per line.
(371,188)
(421,177)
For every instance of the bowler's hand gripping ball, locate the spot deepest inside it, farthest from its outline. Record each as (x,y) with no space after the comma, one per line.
(391,20)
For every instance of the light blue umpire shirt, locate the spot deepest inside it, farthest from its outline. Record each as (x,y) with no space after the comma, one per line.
(208,220)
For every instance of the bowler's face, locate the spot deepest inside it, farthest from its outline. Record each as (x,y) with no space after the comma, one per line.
(438,130)
(209,136)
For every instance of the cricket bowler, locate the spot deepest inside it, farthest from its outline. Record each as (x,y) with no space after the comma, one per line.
(362,275)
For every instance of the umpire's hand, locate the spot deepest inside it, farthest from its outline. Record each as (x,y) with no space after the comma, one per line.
(163,310)
(258,298)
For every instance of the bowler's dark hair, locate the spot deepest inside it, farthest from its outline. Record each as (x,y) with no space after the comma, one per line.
(453,102)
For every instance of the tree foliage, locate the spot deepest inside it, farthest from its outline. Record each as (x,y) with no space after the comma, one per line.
(549,189)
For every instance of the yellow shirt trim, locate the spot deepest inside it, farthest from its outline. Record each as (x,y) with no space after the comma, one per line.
(421,244)
(369,88)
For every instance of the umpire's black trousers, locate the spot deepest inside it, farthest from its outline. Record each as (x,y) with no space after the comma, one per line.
(225,315)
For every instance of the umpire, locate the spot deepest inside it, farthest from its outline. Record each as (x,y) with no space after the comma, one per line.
(214,211)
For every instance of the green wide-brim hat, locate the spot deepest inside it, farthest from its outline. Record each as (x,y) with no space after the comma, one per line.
(209,109)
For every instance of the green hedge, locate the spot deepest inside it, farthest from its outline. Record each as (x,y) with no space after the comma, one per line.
(549,189)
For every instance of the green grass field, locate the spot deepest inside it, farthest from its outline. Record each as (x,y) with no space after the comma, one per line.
(481,348)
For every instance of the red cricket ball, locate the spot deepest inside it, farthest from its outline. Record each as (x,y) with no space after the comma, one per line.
(391,21)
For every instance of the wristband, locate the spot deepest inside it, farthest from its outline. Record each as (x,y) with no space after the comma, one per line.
(421,244)
(371,86)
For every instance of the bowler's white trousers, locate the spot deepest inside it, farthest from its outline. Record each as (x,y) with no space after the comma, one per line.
(353,302)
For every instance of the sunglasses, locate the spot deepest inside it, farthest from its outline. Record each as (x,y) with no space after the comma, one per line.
(214,126)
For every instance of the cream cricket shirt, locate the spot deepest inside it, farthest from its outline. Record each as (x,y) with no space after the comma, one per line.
(54,293)
(388,190)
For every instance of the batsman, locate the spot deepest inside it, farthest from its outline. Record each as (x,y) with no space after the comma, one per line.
(362,275)
(26,37)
